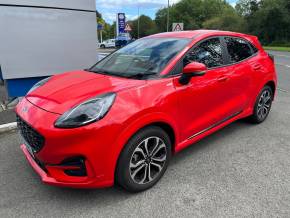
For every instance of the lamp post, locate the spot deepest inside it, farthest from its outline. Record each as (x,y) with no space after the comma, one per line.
(168,16)
(138,21)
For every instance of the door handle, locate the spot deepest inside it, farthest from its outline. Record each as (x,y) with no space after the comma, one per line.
(257,67)
(222,79)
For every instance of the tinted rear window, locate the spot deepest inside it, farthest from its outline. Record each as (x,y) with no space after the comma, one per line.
(238,49)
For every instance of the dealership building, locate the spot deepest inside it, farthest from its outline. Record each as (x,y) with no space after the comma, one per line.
(43,38)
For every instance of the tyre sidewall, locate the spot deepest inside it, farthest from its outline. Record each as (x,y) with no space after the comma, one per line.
(257,119)
(123,174)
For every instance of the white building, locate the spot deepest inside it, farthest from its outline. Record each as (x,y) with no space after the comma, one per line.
(40,38)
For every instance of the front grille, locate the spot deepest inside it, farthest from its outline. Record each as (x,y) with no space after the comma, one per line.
(31,136)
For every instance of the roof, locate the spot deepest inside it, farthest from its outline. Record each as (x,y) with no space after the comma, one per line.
(193,33)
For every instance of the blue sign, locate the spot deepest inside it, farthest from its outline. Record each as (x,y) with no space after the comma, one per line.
(100,26)
(121,23)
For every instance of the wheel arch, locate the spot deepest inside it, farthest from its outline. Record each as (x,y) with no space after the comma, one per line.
(155,119)
(272,85)
(164,124)
(268,82)
(166,127)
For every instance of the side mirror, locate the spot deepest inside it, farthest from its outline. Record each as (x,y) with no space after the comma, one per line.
(191,70)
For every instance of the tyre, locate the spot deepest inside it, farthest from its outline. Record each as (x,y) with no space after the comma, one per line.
(103,46)
(144,159)
(262,106)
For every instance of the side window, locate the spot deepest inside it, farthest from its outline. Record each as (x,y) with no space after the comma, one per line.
(254,49)
(238,49)
(208,52)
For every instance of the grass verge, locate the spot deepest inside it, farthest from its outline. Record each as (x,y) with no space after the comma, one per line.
(276,48)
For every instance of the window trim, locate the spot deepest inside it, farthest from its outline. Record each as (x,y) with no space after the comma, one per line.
(224,50)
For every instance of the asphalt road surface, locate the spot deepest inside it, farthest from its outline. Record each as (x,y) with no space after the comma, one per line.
(242,170)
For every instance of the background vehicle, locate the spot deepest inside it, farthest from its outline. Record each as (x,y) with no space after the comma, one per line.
(110,43)
(123,39)
(123,119)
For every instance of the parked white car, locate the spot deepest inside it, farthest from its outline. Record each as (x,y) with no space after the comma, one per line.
(110,43)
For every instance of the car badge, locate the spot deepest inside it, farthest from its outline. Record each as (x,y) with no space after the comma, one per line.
(25,109)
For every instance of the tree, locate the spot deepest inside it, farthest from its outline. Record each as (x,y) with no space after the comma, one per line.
(268,19)
(108,31)
(247,7)
(273,22)
(98,14)
(147,27)
(230,21)
(193,13)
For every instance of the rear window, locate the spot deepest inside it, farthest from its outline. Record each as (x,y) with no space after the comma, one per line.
(239,49)
(255,50)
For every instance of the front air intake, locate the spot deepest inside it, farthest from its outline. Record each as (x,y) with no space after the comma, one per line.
(30,135)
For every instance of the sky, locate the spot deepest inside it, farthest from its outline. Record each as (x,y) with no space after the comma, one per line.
(109,8)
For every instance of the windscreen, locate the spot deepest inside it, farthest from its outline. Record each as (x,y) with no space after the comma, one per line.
(144,57)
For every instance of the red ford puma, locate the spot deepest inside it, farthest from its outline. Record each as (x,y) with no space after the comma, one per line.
(121,120)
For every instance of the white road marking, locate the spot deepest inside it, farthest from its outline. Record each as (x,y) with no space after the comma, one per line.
(285,56)
(282,90)
(284,65)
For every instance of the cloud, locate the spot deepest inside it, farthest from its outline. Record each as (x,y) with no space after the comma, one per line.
(109,16)
(233,4)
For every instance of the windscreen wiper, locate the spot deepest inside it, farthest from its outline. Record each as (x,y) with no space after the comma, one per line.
(141,75)
(99,71)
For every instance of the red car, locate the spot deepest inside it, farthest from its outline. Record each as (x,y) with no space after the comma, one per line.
(121,120)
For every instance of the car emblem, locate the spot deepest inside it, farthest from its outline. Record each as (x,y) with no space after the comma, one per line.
(24,110)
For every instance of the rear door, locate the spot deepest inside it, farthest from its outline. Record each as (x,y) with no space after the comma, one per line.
(240,67)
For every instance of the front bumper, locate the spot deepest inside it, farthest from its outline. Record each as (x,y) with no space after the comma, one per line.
(94,143)
(47,179)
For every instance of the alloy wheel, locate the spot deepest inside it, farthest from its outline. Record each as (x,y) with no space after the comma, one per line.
(148,160)
(264,104)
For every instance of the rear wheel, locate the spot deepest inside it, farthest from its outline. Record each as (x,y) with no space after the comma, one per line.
(263,105)
(144,159)
(103,46)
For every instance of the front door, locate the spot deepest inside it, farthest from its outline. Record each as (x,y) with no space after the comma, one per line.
(200,101)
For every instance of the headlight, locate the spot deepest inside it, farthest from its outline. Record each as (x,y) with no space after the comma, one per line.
(40,83)
(87,112)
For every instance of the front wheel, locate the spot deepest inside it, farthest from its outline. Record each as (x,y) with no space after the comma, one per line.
(144,159)
(263,105)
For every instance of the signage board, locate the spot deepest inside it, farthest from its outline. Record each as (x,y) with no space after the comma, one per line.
(121,23)
(128,28)
(177,27)
(100,26)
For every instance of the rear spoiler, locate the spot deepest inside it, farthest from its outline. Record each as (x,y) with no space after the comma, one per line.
(271,56)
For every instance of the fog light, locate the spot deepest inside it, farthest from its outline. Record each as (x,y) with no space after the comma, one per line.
(74,166)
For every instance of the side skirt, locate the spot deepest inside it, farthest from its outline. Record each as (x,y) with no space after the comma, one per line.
(211,129)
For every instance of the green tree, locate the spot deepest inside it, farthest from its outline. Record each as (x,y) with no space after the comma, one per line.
(247,7)
(193,13)
(108,31)
(147,27)
(230,21)
(268,19)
